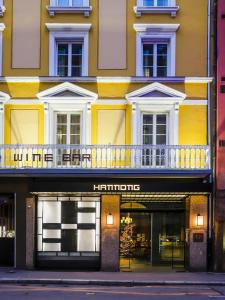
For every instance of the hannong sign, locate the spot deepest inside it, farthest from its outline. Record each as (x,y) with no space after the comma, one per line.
(116,187)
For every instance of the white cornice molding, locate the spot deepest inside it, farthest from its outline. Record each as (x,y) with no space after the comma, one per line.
(195,102)
(156,27)
(71,27)
(198,79)
(106,79)
(49,94)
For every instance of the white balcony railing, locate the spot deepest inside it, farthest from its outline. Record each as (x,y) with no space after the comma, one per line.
(69,6)
(105,157)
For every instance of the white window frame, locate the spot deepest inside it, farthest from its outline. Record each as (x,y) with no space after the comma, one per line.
(172,122)
(78,112)
(69,43)
(154,125)
(59,32)
(155,56)
(156,33)
(171,9)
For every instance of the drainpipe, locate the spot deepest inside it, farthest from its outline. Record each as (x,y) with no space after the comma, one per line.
(209,252)
(214,130)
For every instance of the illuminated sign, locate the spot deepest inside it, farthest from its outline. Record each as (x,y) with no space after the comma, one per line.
(116,187)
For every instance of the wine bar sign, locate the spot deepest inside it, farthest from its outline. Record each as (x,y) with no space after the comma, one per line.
(36,157)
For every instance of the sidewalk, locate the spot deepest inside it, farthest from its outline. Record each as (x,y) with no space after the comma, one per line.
(10,276)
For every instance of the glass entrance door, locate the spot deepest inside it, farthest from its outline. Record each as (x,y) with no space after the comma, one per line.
(152,239)
(168,238)
(135,239)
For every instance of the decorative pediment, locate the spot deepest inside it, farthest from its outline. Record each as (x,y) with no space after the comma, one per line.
(67,91)
(4,97)
(156,92)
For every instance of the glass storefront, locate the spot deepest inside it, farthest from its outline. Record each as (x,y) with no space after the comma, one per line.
(7,230)
(68,231)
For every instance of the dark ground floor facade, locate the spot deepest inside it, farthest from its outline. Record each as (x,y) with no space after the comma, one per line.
(109,223)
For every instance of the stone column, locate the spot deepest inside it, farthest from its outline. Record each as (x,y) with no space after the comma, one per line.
(30,232)
(198,234)
(110,236)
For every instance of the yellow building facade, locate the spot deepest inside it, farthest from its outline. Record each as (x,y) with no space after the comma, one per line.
(105,112)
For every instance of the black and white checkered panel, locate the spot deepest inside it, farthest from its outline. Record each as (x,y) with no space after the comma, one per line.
(68,225)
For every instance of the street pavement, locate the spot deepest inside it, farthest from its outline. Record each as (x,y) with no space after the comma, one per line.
(11,276)
(64,292)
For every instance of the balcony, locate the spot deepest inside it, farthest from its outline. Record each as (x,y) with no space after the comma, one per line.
(146,158)
(156,7)
(69,6)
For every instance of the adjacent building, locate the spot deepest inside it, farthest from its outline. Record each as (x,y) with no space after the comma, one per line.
(220,141)
(105,137)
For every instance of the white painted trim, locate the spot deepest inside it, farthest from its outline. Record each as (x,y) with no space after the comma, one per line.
(171,28)
(2,27)
(156,86)
(156,33)
(54,36)
(111,102)
(107,79)
(3,99)
(172,10)
(67,86)
(24,101)
(195,102)
(63,10)
(68,27)
(198,79)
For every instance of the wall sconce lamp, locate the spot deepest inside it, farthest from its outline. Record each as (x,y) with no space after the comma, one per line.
(199,220)
(109,219)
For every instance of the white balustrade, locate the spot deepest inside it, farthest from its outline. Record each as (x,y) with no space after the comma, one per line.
(186,157)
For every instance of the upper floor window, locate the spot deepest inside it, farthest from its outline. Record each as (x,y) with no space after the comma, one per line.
(69,6)
(69,59)
(2,8)
(68,49)
(75,3)
(155,2)
(156,6)
(155,59)
(156,49)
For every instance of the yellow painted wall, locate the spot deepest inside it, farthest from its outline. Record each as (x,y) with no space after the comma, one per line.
(112,127)
(104,90)
(193,125)
(24,124)
(116,119)
(191,39)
